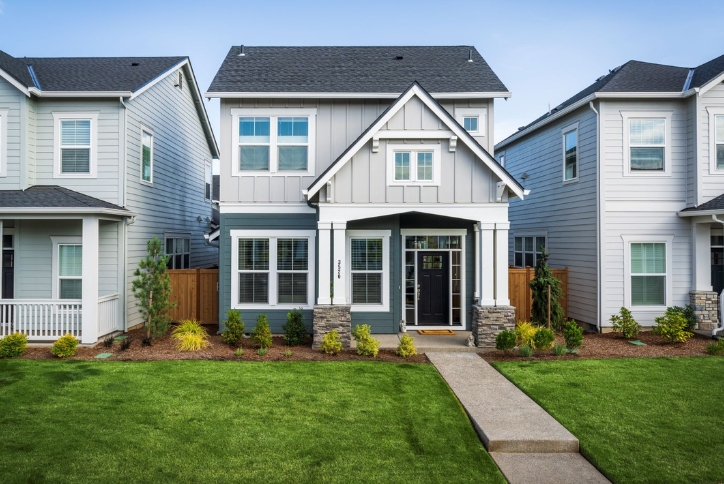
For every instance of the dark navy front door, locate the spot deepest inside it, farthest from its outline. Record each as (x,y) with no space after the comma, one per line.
(433,288)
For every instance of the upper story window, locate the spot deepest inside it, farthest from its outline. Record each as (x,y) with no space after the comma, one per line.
(3,141)
(273,141)
(719,141)
(146,155)
(208,182)
(501,160)
(470,123)
(180,82)
(474,120)
(647,140)
(414,164)
(75,145)
(528,249)
(570,153)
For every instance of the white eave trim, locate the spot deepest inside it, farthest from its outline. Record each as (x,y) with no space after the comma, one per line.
(352,95)
(158,79)
(14,82)
(37,92)
(66,211)
(718,79)
(700,213)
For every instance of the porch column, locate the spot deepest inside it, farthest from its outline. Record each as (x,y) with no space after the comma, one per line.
(90,280)
(501,264)
(476,292)
(486,256)
(701,247)
(340,263)
(323,260)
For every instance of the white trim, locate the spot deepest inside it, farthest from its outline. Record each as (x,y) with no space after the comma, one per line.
(414,149)
(4,142)
(564,131)
(668,240)
(490,212)
(236,207)
(535,234)
(481,113)
(207,163)
(413,134)
(157,79)
(50,211)
(352,95)
(713,111)
(78,94)
(666,116)
(273,235)
(56,242)
(148,131)
(386,255)
(714,82)
(14,82)
(273,114)
(93,162)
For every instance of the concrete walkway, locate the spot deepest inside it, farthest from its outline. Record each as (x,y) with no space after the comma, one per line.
(524,440)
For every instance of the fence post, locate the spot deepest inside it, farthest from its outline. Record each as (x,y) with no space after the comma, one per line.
(198,294)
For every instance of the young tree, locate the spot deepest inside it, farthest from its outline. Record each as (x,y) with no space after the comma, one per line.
(152,288)
(540,285)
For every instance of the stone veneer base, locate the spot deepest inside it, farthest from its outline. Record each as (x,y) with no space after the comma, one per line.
(706,309)
(488,321)
(328,318)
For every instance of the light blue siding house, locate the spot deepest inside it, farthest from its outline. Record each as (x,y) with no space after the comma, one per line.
(626,181)
(97,155)
(358,184)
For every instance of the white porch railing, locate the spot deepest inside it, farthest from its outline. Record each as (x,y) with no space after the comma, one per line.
(41,319)
(108,314)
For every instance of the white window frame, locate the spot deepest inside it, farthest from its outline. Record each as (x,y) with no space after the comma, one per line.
(370,234)
(713,113)
(523,235)
(207,164)
(55,271)
(668,240)
(273,235)
(3,142)
(65,116)
(627,116)
(501,159)
(413,149)
(481,113)
(148,131)
(174,236)
(273,115)
(567,130)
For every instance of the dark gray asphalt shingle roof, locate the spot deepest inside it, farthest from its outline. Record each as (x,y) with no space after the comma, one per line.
(16,68)
(707,71)
(714,204)
(354,69)
(51,196)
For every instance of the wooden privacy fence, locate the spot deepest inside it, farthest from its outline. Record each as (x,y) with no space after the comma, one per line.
(196,294)
(521,296)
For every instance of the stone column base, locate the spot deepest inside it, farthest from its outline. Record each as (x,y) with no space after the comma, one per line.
(706,309)
(328,318)
(488,321)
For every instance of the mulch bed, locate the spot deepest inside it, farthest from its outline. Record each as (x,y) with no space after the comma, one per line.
(613,345)
(164,349)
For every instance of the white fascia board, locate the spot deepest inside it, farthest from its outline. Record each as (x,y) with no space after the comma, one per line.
(700,213)
(65,211)
(236,207)
(39,93)
(157,79)
(718,79)
(14,82)
(351,95)
(642,95)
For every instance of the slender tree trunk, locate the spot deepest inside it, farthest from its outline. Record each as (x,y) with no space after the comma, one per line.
(150,304)
(549,306)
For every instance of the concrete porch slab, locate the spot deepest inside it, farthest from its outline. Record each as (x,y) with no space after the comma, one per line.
(430,343)
(548,469)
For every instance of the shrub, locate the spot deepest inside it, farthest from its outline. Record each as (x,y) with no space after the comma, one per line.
(261,351)
(625,324)
(125,344)
(524,332)
(13,344)
(688,313)
(715,348)
(261,335)
(406,348)
(331,343)
(233,328)
(287,352)
(544,338)
(366,344)
(672,327)
(65,346)
(573,335)
(525,351)
(239,352)
(146,341)
(559,350)
(294,330)
(108,342)
(539,287)
(505,340)
(190,336)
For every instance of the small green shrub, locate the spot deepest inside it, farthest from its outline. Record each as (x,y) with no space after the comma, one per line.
(125,344)
(261,351)
(715,348)
(543,339)
(688,313)
(505,340)
(239,351)
(331,343)
(573,335)
(261,335)
(366,344)
(406,348)
(287,352)
(190,336)
(525,351)
(234,328)
(146,341)
(108,341)
(295,333)
(672,327)
(65,347)
(559,350)
(524,332)
(625,324)
(13,344)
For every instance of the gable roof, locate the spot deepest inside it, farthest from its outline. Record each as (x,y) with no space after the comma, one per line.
(707,72)
(415,89)
(373,70)
(55,198)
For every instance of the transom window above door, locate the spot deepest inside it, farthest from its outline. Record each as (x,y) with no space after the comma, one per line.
(414,165)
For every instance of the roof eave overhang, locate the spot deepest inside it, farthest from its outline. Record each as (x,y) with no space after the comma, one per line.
(700,213)
(351,95)
(66,211)
(5,75)
(110,94)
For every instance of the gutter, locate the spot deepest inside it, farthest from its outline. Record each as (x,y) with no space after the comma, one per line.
(351,95)
(37,92)
(599,316)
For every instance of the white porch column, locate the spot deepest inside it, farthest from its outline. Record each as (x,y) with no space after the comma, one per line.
(325,255)
(90,280)
(1,258)
(340,264)
(701,248)
(476,292)
(501,264)
(486,254)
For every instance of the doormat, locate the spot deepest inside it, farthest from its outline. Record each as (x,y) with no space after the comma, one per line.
(637,342)
(104,355)
(437,332)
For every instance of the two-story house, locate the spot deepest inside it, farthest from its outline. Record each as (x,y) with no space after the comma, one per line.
(358,184)
(626,181)
(97,156)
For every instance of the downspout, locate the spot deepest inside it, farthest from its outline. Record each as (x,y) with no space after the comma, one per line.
(721,303)
(122,196)
(598,216)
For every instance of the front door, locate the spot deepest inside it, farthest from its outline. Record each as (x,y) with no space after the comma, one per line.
(717,269)
(8,274)
(433,288)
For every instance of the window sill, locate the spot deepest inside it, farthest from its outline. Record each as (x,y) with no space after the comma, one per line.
(239,173)
(74,175)
(369,308)
(652,174)
(147,183)
(572,180)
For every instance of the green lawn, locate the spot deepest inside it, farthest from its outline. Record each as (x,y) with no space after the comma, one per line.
(653,420)
(202,421)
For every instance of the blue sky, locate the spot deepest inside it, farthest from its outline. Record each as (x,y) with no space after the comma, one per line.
(544,52)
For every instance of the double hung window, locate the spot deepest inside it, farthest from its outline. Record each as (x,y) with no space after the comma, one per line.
(146,155)
(647,143)
(570,155)
(648,274)
(367,270)
(75,146)
(719,141)
(70,271)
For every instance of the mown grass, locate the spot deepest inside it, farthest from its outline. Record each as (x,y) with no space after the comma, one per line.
(201,421)
(639,420)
